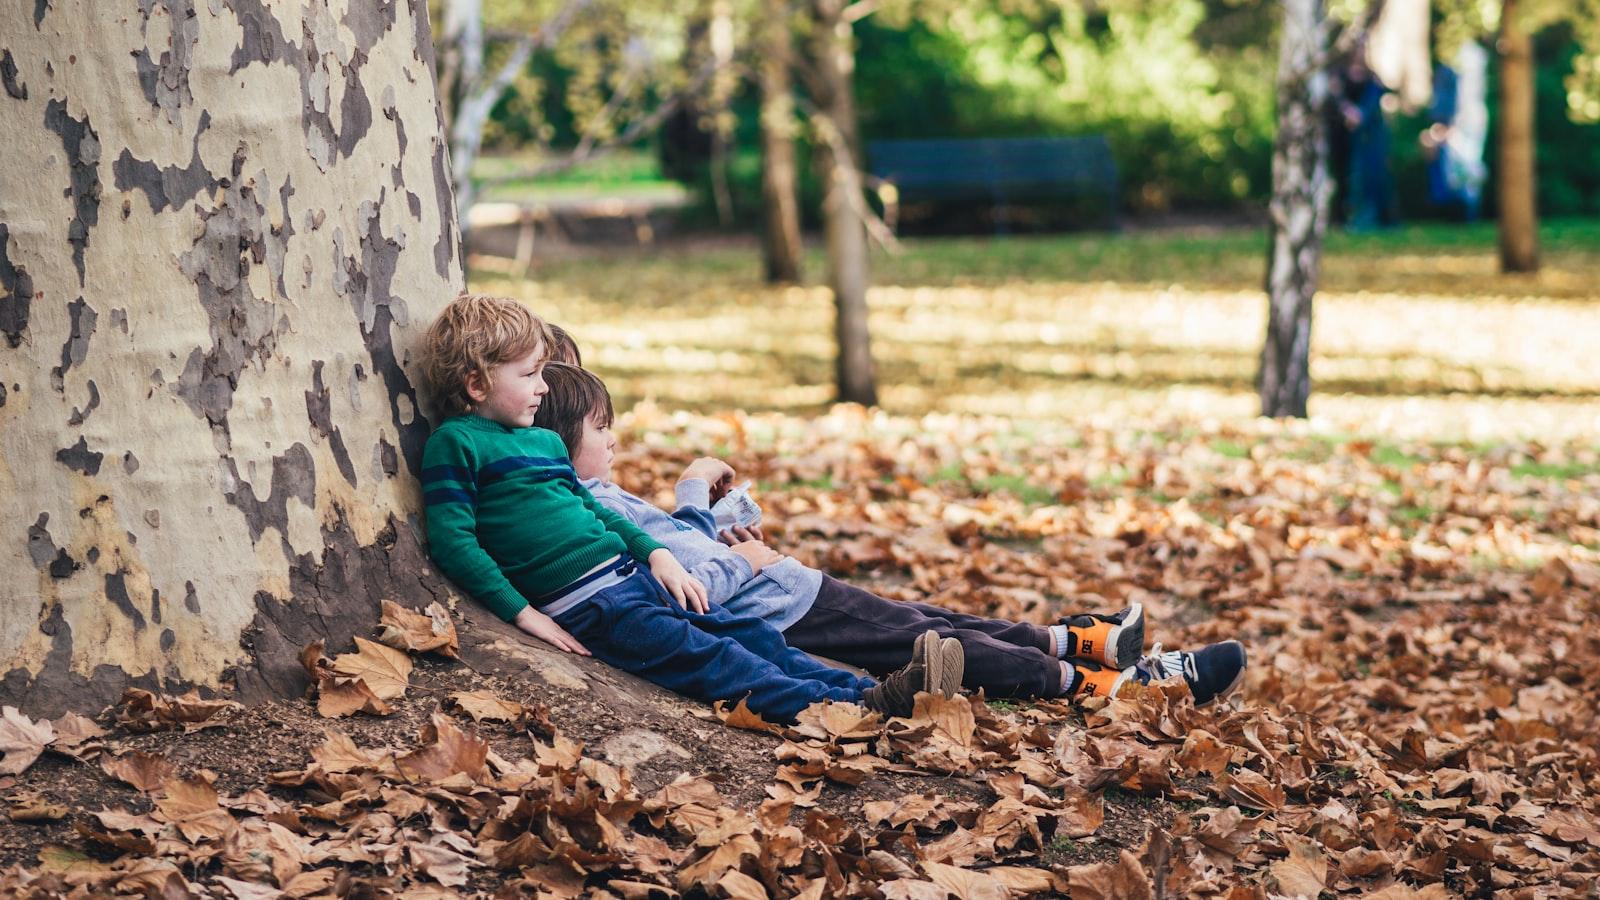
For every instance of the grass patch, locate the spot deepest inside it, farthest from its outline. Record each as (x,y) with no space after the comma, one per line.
(1230,449)
(1553,471)
(1393,457)
(1018,486)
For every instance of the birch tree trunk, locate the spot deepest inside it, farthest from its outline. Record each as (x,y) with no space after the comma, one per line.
(842,202)
(1299,210)
(1519,213)
(780,239)
(221,226)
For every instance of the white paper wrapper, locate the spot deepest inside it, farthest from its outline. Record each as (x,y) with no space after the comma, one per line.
(736,509)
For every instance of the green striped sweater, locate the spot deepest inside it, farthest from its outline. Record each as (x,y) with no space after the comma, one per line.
(507,520)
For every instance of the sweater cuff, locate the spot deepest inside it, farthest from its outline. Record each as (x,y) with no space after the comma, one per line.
(643,545)
(505,602)
(693,492)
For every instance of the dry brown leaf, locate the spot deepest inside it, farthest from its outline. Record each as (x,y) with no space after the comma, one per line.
(1202,752)
(142,711)
(951,715)
(338,754)
(1305,872)
(481,705)
(1121,880)
(742,717)
(837,722)
(1028,880)
(249,890)
(385,670)
(22,740)
(406,629)
(31,807)
(446,750)
(76,736)
(966,884)
(191,805)
(1249,788)
(442,864)
(146,772)
(912,889)
(339,697)
(739,886)
(1403,891)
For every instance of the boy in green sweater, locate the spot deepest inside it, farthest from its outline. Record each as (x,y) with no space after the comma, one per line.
(509,523)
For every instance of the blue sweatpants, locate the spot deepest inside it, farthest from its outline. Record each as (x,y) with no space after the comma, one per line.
(637,627)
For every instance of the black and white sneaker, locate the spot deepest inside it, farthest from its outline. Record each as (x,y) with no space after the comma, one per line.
(1212,672)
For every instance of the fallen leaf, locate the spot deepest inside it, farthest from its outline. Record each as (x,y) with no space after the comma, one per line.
(22,740)
(406,629)
(191,805)
(1120,880)
(481,705)
(837,722)
(739,886)
(1305,872)
(742,717)
(446,750)
(966,884)
(384,669)
(31,807)
(146,772)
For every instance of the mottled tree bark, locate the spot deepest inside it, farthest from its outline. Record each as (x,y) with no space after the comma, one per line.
(780,243)
(221,226)
(1299,210)
(833,59)
(1514,173)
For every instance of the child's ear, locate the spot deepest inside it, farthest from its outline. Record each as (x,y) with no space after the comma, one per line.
(477,386)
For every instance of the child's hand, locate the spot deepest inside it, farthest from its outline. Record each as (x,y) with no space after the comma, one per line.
(545,629)
(757,554)
(712,471)
(738,534)
(684,588)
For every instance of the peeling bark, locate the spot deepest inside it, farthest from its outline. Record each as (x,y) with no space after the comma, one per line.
(1301,191)
(1515,169)
(844,230)
(188,487)
(780,239)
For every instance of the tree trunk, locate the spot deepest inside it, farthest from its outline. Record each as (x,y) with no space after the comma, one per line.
(1299,209)
(842,201)
(222,226)
(1519,214)
(461,52)
(780,244)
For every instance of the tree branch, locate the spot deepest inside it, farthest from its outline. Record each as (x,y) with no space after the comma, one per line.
(638,129)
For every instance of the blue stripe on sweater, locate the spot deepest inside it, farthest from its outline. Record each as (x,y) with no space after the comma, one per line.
(553,469)
(447,495)
(460,474)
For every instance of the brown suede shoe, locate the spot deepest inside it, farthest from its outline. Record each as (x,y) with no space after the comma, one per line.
(896,693)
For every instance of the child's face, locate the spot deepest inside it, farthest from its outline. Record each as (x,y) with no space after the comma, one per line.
(516,388)
(592,459)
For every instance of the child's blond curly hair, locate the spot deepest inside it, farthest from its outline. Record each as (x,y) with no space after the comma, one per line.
(473,334)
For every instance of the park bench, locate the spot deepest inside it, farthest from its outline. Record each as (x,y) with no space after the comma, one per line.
(1076,175)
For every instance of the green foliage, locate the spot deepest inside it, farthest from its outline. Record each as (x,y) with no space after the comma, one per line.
(1187,108)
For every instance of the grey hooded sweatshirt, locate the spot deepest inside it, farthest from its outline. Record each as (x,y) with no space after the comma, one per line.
(781,594)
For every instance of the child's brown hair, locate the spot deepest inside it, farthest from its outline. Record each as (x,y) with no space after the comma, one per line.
(576,396)
(473,334)
(563,349)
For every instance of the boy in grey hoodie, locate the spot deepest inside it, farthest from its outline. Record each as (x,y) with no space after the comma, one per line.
(1082,655)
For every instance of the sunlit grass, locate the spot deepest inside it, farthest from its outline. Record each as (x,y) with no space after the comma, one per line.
(1416,336)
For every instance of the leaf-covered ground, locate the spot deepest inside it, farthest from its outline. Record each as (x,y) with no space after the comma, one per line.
(1415,574)
(1418,719)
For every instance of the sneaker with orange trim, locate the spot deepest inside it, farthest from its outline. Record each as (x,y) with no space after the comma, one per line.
(1115,640)
(1090,679)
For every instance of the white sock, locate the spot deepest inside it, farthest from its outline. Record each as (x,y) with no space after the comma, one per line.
(1062,636)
